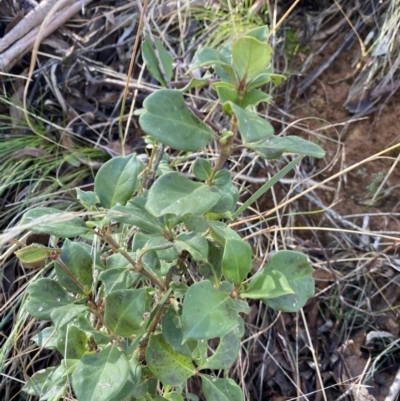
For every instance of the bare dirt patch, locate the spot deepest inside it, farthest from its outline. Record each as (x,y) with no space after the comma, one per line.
(360,136)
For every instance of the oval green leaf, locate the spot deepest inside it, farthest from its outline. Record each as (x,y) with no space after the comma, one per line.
(150,58)
(33,253)
(207,312)
(254,97)
(202,169)
(226,353)
(100,376)
(45,295)
(168,119)
(135,215)
(216,389)
(65,314)
(49,383)
(250,57)
(193,243)
(124,311)
(275,146)
(78,261)
(116,180)
(252,128)
(237,260)
(167,365)
(75,344)
(54,222)
(173,193)
(172,330)
(297,269)
(208,57)
(271,284)
(132,383)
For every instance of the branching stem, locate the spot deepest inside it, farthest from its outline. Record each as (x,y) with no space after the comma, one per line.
(137,268)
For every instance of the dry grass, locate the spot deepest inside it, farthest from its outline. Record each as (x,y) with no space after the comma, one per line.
(85,81)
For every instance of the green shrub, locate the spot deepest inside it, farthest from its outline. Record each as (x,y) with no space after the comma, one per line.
(164,273)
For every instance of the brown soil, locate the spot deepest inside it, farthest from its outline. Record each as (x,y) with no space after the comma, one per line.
(359,138)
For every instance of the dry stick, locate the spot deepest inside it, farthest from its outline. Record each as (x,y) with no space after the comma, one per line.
(314,355)
(30,21)
(129,74)
(52,21)
(9,57)
(394,390)
(138,269)
(283,18)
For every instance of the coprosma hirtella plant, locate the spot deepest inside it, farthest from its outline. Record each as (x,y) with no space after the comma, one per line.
(148,274)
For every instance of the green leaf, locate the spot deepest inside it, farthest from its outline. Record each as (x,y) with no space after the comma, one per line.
(173,396)
(48,384)
(267,285)
(54,222)
(88,199)
(45,295)
(237,260)
(250,57)
(172,330)
(198,224)
(167,365)
(101,338)
(46,338)
(275,146)
(252,128)
(297,269)
(118,260)
(277,79)
(226,353)
(74,344)
(197,82)
(148,242)
(118,278)
(124,311)
(241,306)
(207,312)
(100,376)
(137,216)
(261,80)
(229,196)
(260,33)
(220,232)
(33,253)
(35,384)
(150,59)
(173,193)
(200,352)
(212,270)
(131,384)
(193,243)
(168,119)
(216,389)
(202,169)
(66,313)
(208,57)
(254,97)
(78,261)
(226,92)
(221,178)
(116,180)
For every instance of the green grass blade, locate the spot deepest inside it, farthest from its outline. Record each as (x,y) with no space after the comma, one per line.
(267,186)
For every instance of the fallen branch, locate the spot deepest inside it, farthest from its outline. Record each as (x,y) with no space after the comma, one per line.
(29,27)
